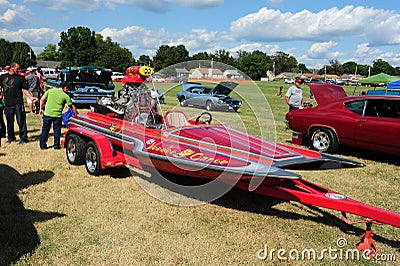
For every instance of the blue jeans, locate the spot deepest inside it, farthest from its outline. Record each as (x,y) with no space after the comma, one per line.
(17,110)
(47,121)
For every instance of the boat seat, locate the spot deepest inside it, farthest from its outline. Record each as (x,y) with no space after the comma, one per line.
(176,119)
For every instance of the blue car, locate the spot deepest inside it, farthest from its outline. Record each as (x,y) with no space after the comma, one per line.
(87,83)
(217,98)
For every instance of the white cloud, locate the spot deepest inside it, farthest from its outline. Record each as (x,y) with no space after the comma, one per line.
(250,47)
(319,50)
(365,53)
(39,37)
(12,14)
(376,26)
(143,40)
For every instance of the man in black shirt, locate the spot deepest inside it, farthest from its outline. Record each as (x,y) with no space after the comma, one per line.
(13,86)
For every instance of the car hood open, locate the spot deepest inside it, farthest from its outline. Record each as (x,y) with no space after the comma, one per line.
(224,87)
(325,92)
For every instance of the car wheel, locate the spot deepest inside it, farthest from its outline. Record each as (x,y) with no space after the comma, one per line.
(324,140)
(75,149)
(92,159)
(209,106)
(182,101)
(236,109)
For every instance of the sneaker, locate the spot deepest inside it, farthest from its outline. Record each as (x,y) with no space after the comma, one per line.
(57,148)
(10,140)
(44,147)
(23,141)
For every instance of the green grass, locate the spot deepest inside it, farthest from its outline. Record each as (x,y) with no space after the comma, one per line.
(52,213)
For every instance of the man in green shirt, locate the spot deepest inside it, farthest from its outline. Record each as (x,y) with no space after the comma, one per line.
(55,100)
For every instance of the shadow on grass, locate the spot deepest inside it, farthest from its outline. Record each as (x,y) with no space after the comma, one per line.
(365,154)
(242,200)
(18,235)
(370,155)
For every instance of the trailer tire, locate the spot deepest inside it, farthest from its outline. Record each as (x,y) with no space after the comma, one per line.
(75,148)
(92,159)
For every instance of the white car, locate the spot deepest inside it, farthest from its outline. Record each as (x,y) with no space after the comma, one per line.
(289,81)
(117,76)
(50,73)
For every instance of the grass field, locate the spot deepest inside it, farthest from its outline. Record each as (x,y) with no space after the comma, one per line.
(52,213)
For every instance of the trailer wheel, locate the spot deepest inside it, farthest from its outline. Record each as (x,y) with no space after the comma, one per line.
(75,149)
(92,159)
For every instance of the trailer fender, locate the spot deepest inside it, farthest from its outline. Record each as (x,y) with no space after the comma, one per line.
(108,157)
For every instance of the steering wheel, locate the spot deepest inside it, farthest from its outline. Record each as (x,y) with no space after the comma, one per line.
(204,114)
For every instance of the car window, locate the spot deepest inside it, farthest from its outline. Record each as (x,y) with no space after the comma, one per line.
(356,107)
(383,108)
(196,91)
(207,90)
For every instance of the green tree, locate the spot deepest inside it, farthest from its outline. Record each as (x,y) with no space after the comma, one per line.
(225,57)
(169,55)
(145,59)
(6,52)
(380,66)
(49,53)
(109,54)
(285,62)
(23,54)
(254,64)
(335,67)
(201,56)
(303,68)
(77,46)
(350,67)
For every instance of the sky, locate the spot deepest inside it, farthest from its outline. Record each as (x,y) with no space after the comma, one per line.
(312,31)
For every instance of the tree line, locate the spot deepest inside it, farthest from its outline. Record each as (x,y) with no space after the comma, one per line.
(82,46)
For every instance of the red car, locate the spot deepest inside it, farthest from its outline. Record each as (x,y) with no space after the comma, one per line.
(367,122)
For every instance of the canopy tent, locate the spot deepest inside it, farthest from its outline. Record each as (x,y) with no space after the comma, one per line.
(378,78)
(394,85)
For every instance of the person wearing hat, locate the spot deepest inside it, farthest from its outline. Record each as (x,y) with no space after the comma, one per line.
(55,100)
(294,95)
(34,88)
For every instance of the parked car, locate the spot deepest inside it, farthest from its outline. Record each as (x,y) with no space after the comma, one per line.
(367,122)
(50,73)
(216,98)
(289,81)
(156,79)
(87,83)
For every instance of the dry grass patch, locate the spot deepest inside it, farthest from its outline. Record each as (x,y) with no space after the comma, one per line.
(57,214)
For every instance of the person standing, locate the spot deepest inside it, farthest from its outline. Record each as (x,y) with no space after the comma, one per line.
(280,92)
(34,88)
(2,124)
(55,100)
(294,95)
(42,79)
(13,87)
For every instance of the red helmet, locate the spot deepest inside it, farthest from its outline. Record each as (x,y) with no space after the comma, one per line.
(137,74)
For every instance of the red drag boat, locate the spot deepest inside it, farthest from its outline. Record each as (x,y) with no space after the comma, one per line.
(128,131)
